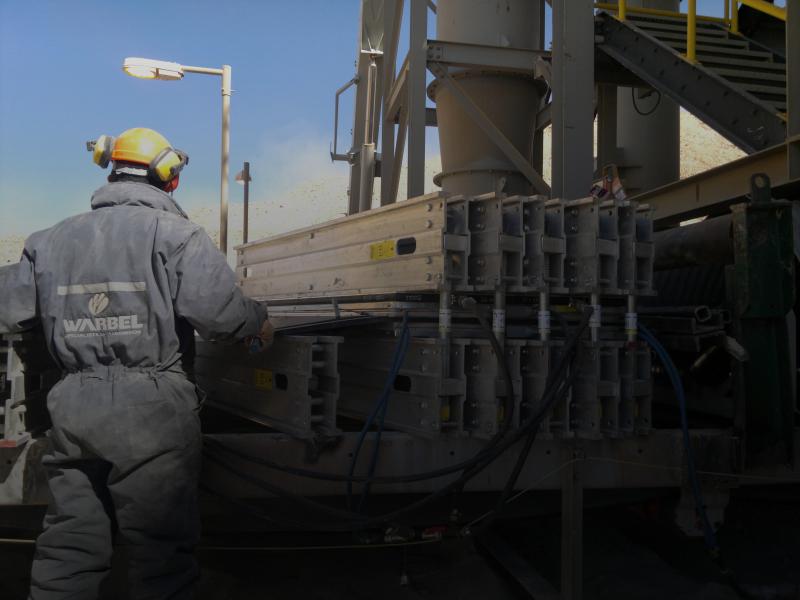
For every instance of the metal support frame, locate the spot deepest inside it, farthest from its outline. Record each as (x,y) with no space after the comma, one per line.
(393,16)
(573,98)
(762,281)
(793,87)
(607,144)
(417,63)
(369,95)
(12,409)
(27,373)
(572,524)
(485,123)
(750,123)
(611,463)
(401,102)
(713,191)
(293,387)
(476,56)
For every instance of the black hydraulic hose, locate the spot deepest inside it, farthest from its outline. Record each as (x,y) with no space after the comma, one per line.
(508,416)
(639,110)
(408,478)
(360,522)
(525,452)
(523,455)
(281,521)
(279,491)
(354,521)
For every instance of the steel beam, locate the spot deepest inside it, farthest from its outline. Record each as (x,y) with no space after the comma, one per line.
(399,151)
(572,525)
(573,94)
(762,279)
(714,190)
(638,462)
(397,95)
(607,146)
(793,86)
(371,36)
(515,564)
(393,15)
(417,62)
(476,56)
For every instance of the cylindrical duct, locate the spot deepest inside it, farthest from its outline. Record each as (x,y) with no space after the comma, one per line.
(648,129)
(708,242)
(471,162)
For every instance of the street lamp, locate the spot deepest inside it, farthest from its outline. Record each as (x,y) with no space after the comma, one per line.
(145,68)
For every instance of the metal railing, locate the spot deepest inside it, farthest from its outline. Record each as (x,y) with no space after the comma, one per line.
(729,20)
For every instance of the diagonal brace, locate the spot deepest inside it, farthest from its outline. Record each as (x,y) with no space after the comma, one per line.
(485,123)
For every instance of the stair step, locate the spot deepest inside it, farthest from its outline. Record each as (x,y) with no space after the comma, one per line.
(760,76)
(725,62)
(658,27)
(702,39)
(671,20)
(721,50)
(758,89)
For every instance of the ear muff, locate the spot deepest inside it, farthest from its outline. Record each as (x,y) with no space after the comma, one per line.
(101,150)
(172,184)
(167,164)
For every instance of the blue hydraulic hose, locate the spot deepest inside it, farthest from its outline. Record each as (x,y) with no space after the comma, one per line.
(384,405)
(382,401)
(675,378)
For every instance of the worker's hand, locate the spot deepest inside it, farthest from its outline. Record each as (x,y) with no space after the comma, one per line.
(266,335)
(262,341)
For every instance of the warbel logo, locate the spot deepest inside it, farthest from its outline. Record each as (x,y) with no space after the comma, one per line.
(97,304)
(116,325)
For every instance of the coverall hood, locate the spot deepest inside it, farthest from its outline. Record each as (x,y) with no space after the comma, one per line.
(132,193)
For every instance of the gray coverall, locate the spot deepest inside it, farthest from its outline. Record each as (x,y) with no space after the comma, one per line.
(119,291)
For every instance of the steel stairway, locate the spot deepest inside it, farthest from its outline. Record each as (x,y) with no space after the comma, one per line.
(737,86)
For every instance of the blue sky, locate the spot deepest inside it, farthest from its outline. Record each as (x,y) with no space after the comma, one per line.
(61,84)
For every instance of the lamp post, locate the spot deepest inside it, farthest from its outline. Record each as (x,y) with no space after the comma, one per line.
(244,178)
(145,68)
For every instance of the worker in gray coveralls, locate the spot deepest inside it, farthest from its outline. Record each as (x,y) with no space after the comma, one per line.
(119,292)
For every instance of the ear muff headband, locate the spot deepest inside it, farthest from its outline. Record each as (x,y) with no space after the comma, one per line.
(167,164)
(101,152)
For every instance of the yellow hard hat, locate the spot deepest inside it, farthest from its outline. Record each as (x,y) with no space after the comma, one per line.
(144,146)
(139,145)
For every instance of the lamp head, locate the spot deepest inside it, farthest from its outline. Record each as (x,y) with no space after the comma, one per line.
(146,68)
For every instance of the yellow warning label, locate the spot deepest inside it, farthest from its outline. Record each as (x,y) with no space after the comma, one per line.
(263,379)
(382,250)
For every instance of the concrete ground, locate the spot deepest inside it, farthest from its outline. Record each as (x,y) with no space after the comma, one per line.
(631,551)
